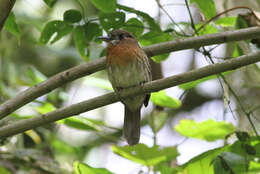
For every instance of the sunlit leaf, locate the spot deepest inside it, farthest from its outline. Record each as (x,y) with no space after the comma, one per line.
(162,99)
(228,21)
(105,5)
(208,130)
(148,156)
(45,108)
(208,29)
(72,16)
(12,27)
(237,51)
(203,162)
(207,7)
(34,136)
(82,168)
(112,20)
(55,30)
(80,123)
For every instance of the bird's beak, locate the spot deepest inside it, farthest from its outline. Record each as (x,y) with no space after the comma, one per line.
(105,38)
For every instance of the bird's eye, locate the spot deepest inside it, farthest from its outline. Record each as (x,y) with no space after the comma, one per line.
(121,36)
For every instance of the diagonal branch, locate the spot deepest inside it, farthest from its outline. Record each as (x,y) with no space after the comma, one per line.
(85,69)
(75,109)
(5,8)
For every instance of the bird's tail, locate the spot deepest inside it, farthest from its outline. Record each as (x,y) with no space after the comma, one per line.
(132,126)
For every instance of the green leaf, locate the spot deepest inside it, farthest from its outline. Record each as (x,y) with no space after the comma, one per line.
(112,20)
(105,5)
(82,168)
(80,123)
(60,147)
(230,162)
(80,42)
(50,3)
(228,21)
(208,29)
(203,130)
(98,82)
(92,31)
(35,76)
(72,16)
(240,23)
(12,27)
(56,29)
(146,18)
(157,120)
(162,99)
(164,169)
(192,84)
(134,26)
(153,37)
(45,108)
(203,163)
(148,156)
(207,7)
(237,51)
(3,170)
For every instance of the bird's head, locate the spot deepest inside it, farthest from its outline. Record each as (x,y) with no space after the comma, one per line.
(116,36)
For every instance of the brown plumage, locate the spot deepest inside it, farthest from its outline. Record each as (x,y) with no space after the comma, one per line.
(128,66)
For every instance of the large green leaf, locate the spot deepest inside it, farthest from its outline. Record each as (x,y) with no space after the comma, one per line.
(162,99)
(208,130)
(80,42)
(203,163)
(146,18)
(105,5)
(82,168)
(148,156)
(134,26)
(228,162)
(207,7)
(12,27)
(112,20)
(50,3)
(92,31)
(72,16)
(153,37)
(57,28)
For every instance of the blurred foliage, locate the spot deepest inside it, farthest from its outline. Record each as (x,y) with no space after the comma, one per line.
(33,47)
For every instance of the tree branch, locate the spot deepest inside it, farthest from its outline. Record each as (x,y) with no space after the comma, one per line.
(75,109)
(85,69)
(5,8)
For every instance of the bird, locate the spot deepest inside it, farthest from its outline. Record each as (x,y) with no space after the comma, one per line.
(128,66)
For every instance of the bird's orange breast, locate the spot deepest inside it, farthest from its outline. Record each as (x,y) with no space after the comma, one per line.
(123,53)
